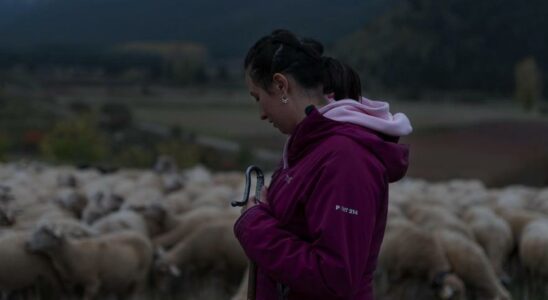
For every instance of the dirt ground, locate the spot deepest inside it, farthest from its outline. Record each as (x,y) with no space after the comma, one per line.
(499,152)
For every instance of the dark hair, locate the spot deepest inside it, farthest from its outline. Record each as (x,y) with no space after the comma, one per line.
(283,52)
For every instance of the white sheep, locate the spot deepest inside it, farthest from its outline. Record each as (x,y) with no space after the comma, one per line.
(113,263)
(471,264)
(189,221)
(493,234)
(21,269)
(71,200)
(517,219)
(101,204)
(433,217)
(421,259)
(533,248)
(219,196)
(212,245)
(121,220)
(178,202)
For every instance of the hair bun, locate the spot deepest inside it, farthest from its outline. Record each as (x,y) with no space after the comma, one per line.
(313,45)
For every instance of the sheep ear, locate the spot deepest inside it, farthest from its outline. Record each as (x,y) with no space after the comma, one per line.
(447,292)
(57,232)
(160,252)
(174,270)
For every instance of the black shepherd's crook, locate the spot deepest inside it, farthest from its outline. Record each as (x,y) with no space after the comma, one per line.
(252,280)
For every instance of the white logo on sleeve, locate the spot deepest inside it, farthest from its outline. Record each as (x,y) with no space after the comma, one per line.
(347,210)
(288,179)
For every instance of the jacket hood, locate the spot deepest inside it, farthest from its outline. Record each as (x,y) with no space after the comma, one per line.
(368,123)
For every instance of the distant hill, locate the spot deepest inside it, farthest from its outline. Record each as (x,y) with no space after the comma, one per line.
(226,28)
(450,44)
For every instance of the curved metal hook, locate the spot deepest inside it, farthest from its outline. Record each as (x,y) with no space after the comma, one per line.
(259,186)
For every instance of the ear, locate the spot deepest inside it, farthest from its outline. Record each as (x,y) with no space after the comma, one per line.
(280,83)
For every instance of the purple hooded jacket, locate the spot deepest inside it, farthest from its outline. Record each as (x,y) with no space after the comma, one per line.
(319,235)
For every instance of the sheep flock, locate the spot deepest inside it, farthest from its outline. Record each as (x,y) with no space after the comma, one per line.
(166,233)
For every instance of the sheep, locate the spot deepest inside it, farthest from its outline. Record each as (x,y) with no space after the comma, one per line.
(67,180)
(6,195)
(150,180)
(395,212)
(421,259)
(26,217)
(172,183)
(7,215)
(121,220)
(241,293)
(71,200)
(513,197)
(165,164)
(433,217)
(116,263)
(124,187)
(533,247)
(231,179)
(471,264)
(218,196)
(101,204)
(212,245)
(68,227)
(142,197)
(177,202)
(493,234)
(21,269)
(157,218)
(517,219)
(188,222)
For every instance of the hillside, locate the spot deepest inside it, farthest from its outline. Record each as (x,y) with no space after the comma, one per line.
(227,28)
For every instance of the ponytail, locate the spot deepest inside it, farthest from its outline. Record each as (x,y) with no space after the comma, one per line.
(340,80)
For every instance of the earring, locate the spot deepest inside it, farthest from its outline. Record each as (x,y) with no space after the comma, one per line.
(284,99)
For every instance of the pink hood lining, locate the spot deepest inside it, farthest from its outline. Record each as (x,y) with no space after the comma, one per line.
(367,113)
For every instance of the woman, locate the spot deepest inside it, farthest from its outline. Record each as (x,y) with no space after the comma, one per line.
(317,231)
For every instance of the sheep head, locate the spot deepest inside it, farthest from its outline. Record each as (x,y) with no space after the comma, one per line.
(6,194)
(45,238)
(66,180)
(165,273)
(7,216)
(72,201)
(165,164)
(449,287)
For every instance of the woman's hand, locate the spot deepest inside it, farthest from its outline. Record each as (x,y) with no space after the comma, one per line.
(252,202)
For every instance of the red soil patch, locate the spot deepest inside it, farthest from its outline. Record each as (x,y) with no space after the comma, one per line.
(496,152)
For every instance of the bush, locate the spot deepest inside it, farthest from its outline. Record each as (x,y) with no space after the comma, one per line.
(76,141)
(528,83)
(135,156)
(186,155)
(4,145)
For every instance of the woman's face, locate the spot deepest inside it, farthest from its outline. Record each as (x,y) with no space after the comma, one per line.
(271,106)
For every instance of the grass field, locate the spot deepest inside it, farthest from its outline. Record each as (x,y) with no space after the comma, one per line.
(491,140)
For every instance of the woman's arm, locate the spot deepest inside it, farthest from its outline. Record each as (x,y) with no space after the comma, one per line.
(341,213)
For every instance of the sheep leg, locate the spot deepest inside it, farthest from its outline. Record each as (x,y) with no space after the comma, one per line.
(91,290)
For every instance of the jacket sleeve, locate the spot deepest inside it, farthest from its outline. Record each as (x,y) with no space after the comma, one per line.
(340,212)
